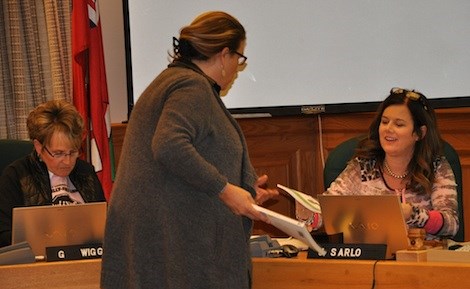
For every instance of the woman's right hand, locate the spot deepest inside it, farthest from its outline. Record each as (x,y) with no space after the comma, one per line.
(241,202)
(407,210)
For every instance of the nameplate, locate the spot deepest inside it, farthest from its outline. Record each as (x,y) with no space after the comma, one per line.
(351,251)
(74,252)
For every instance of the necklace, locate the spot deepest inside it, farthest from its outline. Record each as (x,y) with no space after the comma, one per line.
(389,171)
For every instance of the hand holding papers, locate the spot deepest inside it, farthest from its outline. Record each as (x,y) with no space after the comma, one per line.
(292,227)
(307,208)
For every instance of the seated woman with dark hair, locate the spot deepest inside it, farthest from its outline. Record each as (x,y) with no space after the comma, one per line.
(403,155)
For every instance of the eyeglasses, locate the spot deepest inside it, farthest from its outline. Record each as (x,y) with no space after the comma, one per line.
(241,59)
(411,94)
(62,155)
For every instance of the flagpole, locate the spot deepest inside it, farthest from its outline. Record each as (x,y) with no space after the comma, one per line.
(88,117)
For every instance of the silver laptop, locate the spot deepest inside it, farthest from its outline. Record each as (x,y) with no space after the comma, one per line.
(52,226)
(366,220)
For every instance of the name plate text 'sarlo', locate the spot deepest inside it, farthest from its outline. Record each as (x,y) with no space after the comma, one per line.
(352,251)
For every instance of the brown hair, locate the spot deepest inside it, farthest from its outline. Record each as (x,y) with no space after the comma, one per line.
(55,116)
(427,148)
(207,35)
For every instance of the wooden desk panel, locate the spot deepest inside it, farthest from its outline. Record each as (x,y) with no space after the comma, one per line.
(83,274)
(296,273)
(429,275)
(303,274)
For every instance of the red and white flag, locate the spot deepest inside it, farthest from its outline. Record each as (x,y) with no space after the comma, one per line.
(90,91)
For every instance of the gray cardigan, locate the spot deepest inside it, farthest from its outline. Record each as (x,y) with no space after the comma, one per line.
(167,227)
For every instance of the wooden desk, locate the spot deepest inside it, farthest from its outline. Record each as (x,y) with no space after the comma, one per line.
(298,273)
(83,274)
(301,273)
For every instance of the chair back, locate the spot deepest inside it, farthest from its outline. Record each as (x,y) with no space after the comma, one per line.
(12,149)
(338,159)
(453,158)
(341,154)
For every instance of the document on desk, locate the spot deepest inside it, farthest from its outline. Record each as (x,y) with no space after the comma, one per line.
(293,228)
(305,200)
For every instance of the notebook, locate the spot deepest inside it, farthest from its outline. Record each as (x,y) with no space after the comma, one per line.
(52,226)
(366,220)
(293,228)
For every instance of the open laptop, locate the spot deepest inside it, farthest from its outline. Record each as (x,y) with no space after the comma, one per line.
(366,219)
(52,226)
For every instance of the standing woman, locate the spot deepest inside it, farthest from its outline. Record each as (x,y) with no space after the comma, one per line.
(403,155)
(181,209)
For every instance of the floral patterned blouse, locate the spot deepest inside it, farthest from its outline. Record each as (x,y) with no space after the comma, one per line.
(436,212)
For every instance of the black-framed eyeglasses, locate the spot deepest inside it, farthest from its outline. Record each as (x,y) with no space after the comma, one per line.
(241,59)
(411,94)
(62,155)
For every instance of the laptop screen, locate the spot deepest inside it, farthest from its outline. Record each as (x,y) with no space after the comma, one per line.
(50,226)
(366,219)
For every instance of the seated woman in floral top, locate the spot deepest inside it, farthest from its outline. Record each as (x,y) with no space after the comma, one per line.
(403,155)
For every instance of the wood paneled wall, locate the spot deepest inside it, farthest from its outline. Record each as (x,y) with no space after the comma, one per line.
(291,150)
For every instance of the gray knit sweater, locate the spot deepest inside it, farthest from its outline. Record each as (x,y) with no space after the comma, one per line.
(167,227)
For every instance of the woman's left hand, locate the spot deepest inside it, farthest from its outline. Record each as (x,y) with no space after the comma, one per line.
(263,193)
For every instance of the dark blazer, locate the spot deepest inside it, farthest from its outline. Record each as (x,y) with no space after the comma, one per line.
(26,182)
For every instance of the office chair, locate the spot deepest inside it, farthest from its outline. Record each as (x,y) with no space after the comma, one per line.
(341,154)
(12,149)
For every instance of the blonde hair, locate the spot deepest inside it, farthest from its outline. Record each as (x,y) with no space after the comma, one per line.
(55,116)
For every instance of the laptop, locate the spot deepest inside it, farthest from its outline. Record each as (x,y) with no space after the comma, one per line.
(52,226)
(366,219)
(293,228)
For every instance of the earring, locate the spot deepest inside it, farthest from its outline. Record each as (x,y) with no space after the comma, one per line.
(223,71)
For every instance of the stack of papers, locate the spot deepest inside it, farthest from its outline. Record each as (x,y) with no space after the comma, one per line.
(305,200)
(292,227)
